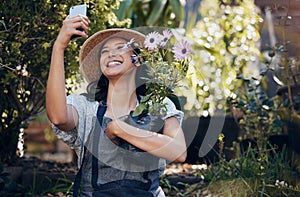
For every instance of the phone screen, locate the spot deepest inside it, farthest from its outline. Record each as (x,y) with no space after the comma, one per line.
(78,9)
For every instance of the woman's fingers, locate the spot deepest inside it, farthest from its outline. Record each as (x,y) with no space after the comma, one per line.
(80,22)
(75,25)
(81,19)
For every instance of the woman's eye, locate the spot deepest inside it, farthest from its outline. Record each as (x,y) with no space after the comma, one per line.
(104,51)
(121,47)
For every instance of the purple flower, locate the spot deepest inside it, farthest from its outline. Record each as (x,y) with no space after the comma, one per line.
(182,50)
(152,40)
(167,34)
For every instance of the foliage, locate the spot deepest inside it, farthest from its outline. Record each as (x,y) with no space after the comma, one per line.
(59,187)
(27,31)
(225,43)
(260,168)
(163,13)
(254,174)
(286,72)
(259,119)
(3,178)
(9,187)
(166,66)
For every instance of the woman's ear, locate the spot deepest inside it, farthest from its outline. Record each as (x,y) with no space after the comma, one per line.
(137,64)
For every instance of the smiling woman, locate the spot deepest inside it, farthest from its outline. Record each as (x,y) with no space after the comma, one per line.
(114,57)
(91,124)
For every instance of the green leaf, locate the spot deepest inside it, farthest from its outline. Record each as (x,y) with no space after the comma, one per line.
(123,9)
(156,12)
(139,109)
(145,98)
(177,8)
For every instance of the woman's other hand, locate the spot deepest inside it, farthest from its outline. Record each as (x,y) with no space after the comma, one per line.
(113,129)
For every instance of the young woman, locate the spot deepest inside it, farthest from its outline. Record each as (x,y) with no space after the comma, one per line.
(91,124)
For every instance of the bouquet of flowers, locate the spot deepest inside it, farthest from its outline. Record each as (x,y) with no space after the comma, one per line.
(166,64)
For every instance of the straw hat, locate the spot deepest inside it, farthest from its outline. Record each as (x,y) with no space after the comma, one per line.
(89,53)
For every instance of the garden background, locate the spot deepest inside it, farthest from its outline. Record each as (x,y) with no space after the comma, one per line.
(240,97)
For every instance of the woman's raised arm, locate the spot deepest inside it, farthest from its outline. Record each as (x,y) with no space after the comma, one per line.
(64,116)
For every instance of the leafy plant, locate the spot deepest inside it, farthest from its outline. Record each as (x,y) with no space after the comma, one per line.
(4,180)
(166,67)
(9,187)
(254,174)
(162,13)
(286,69)
(62,186)
(259,119)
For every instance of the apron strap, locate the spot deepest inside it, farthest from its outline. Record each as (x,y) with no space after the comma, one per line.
(95,149)
(77,182)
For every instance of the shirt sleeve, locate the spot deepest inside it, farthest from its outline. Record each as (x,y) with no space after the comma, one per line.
(70,137)
(172,111)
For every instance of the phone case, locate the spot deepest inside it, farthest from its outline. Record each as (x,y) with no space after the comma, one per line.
(74,11)
(78,9)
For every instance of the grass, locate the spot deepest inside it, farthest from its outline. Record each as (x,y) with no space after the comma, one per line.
(262,173)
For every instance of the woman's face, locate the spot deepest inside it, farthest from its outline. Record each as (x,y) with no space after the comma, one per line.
(115,60)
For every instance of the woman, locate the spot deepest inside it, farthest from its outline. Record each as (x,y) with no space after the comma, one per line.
(91,123)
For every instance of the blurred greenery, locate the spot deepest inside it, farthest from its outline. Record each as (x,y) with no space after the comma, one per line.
(161,13)
(225,43)
(254,173)
(260,118)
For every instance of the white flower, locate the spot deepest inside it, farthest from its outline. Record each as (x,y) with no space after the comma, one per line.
(24,72)
(182,50)
(167,34)
(152,40)
(19,67)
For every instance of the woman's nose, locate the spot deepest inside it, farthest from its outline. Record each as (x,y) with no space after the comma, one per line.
(112,52)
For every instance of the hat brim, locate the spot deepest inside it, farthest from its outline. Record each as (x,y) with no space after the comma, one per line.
(89,53)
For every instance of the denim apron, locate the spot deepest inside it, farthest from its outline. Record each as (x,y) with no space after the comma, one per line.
(123,187)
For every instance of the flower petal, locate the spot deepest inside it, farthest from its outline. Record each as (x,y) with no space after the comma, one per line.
(152,40)
(182,50)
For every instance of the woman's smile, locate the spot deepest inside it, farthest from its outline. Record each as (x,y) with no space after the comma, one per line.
(114,63)
(115,59)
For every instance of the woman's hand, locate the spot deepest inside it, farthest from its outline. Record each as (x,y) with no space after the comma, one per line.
(113,129)
(70,28)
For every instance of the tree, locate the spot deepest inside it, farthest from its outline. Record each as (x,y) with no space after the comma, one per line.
(27,32)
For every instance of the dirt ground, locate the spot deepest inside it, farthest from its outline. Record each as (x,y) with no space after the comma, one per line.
(25,171)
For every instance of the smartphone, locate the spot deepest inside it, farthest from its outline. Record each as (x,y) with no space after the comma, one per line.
(74,11)
(78,9)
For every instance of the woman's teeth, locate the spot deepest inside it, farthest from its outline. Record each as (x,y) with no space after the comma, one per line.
(114,63)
